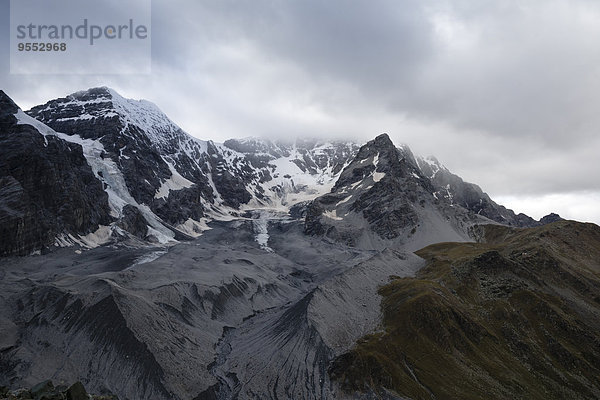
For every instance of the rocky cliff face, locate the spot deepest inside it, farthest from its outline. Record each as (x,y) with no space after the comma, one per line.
(382,199)
(143,145)
(47,188)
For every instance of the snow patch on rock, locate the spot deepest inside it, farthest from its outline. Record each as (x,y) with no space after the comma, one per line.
(332,215)
(377,176)
(175,182)
(43,129)
(194,228)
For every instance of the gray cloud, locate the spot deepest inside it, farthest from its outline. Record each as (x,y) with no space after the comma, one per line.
(504,93)
(499,67)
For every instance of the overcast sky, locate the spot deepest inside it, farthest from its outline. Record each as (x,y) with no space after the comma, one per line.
(504,93)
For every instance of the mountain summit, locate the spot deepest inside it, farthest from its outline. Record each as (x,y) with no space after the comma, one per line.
(138,119)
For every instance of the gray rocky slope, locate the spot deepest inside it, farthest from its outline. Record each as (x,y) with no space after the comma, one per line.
(208,271)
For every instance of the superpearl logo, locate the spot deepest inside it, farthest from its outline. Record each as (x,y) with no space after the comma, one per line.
(80,37)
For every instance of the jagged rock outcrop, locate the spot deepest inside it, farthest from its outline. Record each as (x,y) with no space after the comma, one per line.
(453,189)
(383,197)
(387,191)
(550,218)
(133,221)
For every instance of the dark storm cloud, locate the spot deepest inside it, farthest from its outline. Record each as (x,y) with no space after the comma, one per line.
(500,67)
(377,44)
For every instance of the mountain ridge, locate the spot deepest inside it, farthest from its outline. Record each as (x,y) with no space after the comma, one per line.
(177,183)
(222,271)
(513,316)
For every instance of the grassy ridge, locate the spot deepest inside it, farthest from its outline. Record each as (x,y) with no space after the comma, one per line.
(516,316)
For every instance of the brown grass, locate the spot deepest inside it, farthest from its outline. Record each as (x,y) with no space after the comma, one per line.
(514,317)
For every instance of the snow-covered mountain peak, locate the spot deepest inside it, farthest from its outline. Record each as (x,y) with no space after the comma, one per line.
(104,106)
(259,146)
(82,105)
(375,160)
(430,166)
(295,148)
(146,116)
(381,147)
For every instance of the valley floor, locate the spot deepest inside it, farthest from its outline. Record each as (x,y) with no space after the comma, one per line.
(241,312)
